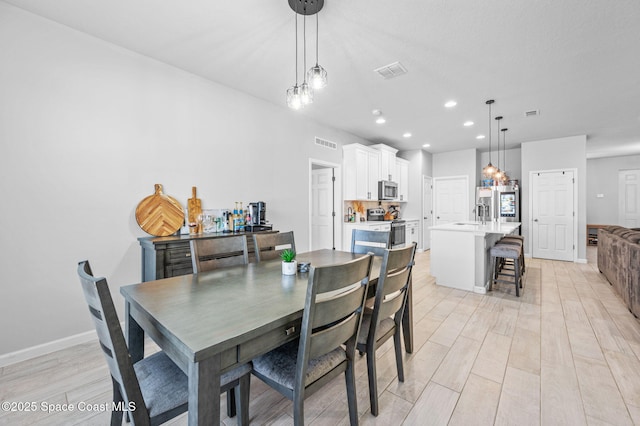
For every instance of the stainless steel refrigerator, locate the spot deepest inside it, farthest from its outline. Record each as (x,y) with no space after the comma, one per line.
(498,203)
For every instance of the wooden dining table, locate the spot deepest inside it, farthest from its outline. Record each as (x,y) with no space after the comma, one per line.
(211,322)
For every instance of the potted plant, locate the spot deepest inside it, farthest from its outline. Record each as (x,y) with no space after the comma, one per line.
(289,263)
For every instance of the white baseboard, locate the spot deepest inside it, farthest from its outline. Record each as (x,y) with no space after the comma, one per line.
(47,348)
(581,261)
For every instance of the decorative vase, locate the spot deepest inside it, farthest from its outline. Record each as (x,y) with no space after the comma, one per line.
(289,268)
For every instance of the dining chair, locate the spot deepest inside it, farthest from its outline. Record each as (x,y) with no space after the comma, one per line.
(365,241)
(211,253)
(331,318)
(154,389)
(269,246)
(384,319)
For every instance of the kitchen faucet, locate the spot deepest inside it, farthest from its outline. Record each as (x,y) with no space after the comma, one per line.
(482,211)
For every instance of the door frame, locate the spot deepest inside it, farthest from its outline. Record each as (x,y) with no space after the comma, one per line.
(576,214)
(435,181)
(337,200)
(424,213)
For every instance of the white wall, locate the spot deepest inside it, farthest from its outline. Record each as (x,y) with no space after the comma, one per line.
(459,163)
(554,154)
(420,164)
(86,130)
(602,178)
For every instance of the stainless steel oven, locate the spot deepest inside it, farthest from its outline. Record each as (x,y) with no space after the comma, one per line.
(398,233)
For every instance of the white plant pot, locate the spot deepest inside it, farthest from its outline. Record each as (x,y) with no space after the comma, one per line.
(289,268)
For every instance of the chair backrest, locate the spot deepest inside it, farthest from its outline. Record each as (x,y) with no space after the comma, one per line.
(98,297)
(269,246)
(332,311)
(393,283)
(211,253)
(364,241)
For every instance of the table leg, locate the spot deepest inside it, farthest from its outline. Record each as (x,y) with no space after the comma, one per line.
(407,319)
(204,392)
(135,335)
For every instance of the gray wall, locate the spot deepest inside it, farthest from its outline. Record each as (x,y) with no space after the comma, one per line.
(555,154)
(86,130)
(513,162)
(421,164)
(602,178)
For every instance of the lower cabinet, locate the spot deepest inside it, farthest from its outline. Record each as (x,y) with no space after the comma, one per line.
(165,257)
(411,229)
(370,226)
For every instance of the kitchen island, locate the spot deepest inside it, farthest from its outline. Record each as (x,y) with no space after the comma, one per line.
(460,253)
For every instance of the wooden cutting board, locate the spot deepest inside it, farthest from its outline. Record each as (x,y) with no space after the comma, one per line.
(159,214)
(194,207)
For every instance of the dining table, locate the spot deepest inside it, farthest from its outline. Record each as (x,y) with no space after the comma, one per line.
(211,322)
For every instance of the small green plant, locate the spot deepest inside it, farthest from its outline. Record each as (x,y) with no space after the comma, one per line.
(288,255)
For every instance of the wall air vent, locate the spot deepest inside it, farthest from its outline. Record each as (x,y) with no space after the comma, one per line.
(392,70)
(326,144)
(532,113)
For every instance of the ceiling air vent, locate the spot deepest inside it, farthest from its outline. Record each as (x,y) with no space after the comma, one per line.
(392,70)
(326,144)
(532,113)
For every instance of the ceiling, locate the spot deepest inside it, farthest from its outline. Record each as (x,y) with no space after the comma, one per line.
(575,61)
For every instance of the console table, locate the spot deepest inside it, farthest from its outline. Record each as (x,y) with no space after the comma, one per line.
(166,257)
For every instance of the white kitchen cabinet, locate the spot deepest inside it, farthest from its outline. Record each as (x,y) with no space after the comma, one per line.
(361,166)
(402,167)
(388,168)
(369,226)
(411,231)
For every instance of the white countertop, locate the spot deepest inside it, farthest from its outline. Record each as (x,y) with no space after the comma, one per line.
(478,228)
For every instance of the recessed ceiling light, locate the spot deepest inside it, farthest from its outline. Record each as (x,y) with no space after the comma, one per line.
(468,123)
(426,145)
(406,135)
(451,104)
(379,117)
(480,137)
(381,120)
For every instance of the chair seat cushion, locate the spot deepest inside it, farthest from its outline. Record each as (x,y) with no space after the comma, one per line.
(386,325)
(506,250)
(279,365)
(164,386)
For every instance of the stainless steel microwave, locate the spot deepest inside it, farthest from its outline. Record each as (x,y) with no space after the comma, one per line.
(387,190)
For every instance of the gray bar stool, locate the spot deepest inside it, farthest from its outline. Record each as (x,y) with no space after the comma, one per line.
(500,252)
(519,240)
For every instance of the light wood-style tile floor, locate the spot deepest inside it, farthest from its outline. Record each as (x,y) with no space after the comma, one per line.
(566,352)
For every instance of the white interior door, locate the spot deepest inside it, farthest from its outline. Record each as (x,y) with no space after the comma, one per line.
(322,208)
(451,199)
(427,211)
(552,215)
(629,198)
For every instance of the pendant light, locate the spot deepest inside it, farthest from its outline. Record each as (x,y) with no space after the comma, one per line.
(497,175)
(294,95)
(505,177)
(489,169)
(317,75)
(306,93)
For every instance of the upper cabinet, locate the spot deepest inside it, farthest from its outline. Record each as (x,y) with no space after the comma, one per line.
(388,169)
(361,172)
(402,167)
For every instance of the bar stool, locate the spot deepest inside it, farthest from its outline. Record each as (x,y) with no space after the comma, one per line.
(519,240)
(501,252)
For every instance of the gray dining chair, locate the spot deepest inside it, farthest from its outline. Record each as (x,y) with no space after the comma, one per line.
(211,253)
(332,314)
(269,246)
(383,320)
(154,389)
(365,241)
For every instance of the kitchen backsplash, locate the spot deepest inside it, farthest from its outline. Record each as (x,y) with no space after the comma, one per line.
(359,208)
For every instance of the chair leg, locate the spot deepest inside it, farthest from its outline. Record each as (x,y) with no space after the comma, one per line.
(116,415)
(242,397)
(231,403)
(298,408)
(373,379)
(517,279)
(492,272)
(352,399)
(397,343)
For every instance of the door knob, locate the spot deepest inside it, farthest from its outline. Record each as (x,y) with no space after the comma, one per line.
(437,217)
(535,220)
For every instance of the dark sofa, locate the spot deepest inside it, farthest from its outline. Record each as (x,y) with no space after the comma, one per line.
(619,261)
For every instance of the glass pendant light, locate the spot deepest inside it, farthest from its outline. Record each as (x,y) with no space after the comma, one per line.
(497,175)
(306,93)
(294,95)
(317,75)
(505,177)
(489,169)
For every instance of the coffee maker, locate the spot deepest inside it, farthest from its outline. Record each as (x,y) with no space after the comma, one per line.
(258,221)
